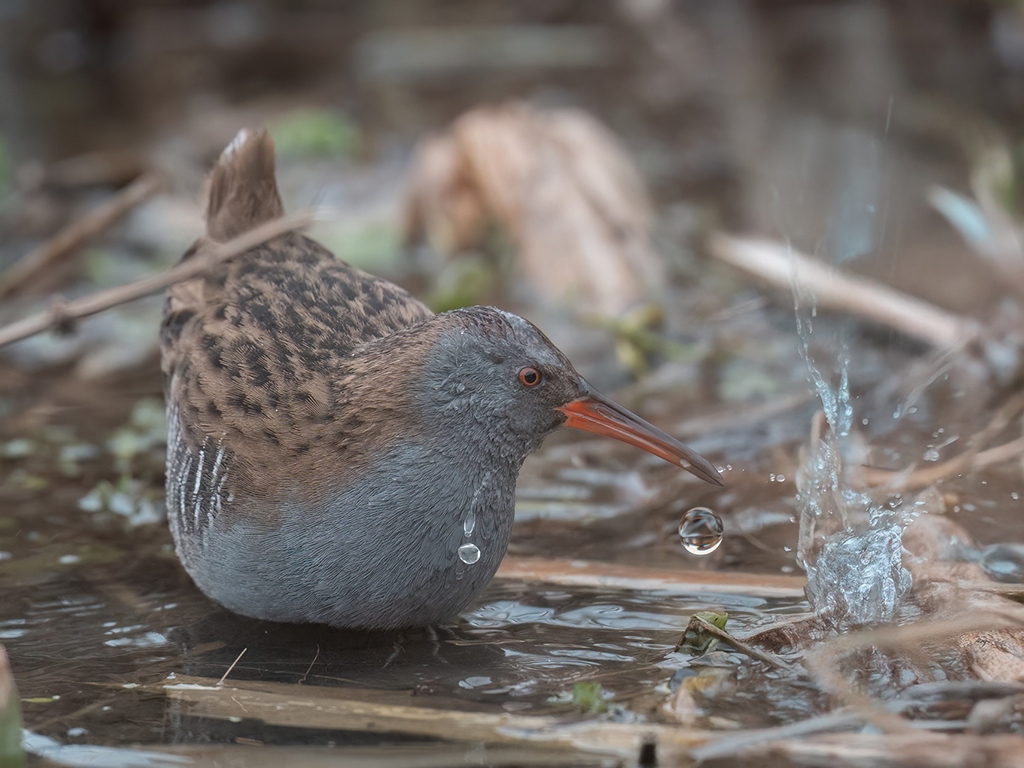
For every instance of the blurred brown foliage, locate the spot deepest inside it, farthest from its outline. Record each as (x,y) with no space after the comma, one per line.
(557,183)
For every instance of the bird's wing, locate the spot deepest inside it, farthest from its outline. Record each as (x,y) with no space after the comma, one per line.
(272,332)
(257,345)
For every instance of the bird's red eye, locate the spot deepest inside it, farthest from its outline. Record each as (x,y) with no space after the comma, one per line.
(529,377)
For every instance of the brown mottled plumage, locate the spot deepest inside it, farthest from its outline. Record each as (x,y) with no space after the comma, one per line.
(257,351)
(334,447)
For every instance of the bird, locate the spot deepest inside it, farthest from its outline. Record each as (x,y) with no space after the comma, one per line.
(337,453)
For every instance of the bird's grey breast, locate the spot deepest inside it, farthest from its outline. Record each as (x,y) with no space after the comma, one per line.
(414,540)
(411,541)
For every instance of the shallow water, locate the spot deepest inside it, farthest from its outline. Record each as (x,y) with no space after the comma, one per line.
(98,614)
(86,630)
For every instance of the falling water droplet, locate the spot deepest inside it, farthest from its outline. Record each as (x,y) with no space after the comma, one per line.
(469,553)
(701,531)
(469,524)
(931,455)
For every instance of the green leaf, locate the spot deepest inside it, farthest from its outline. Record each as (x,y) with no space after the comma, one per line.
(590,698)
(695,639)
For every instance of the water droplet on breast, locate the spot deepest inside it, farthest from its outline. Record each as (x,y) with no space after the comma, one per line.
(469,553)
(701,531)
(469,524)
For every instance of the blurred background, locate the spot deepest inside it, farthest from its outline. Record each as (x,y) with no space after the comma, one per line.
(822,124)
(784,118)
(563,159)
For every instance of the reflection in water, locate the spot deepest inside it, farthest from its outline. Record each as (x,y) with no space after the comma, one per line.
(87,754)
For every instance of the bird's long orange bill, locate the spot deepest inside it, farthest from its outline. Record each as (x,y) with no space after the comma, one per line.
(596,413)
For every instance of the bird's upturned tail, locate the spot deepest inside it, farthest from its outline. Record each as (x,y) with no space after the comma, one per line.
(243,190)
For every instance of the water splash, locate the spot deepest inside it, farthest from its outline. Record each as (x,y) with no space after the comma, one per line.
(850,547)
(857,576)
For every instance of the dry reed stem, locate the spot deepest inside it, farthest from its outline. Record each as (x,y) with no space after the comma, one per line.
(583,573)
(439,716)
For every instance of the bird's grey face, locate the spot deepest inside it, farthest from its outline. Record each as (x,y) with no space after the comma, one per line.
(501,385)
(501,379)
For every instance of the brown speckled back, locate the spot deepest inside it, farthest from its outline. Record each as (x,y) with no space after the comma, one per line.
(262,354)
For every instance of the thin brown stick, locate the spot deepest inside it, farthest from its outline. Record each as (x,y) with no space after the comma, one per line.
(972,458)
(741,646)
(912,636)
(310,667)
(108,166)
(60,315)
(76,234)
(785,268)
(903,480)
(238,658)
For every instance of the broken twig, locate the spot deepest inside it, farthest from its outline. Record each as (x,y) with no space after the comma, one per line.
(903,480)
(76,234)
(971,459)
(783,267)
(63,313)
(745,648)
(233,663)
